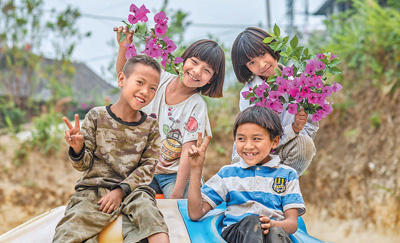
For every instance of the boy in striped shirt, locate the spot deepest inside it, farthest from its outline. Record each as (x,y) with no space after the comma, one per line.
(262,196)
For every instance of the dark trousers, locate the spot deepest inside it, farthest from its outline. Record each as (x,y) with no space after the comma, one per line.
(249,230)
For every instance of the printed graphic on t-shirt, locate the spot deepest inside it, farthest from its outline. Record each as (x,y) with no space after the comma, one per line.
(171,146)
(279,185)
(191,125)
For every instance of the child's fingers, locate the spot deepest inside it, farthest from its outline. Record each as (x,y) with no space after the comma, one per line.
(204,146)
(77,121)
(199,139)
(67,136)
(66,121)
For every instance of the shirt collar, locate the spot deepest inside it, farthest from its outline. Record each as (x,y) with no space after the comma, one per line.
(274,162)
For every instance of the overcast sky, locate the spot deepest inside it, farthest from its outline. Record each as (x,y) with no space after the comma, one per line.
(224,19)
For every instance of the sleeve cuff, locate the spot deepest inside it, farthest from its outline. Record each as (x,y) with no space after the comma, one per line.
(288,130)
(74,156)
(124,187)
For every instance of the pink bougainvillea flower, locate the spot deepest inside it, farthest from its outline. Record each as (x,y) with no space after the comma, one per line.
(161,29)
(164,62)
(316,117)
(312,98)
(336,87)
(259,92)
(333,56)
(264,86)
(141,13)
(288,71)
(309,69)
(274,95)
(320,56)
(278,107)
(327,90)
(253,98)
(131,51)
(132,19)
(293,91)
(304,92)
(269,104)
(283,88)
(309,81)
(292,109)
(320,99)
(261,103)
(327,108)
(179,60)
(318,82)
(160,17)
(170,44)
(319,65)
(280,80)
(245,93)
(133,8)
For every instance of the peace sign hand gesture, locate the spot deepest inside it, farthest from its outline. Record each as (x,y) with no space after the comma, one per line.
(197,153)
(74,136)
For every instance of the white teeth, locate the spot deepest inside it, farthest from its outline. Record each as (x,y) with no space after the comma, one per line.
(193,77)
(140,100)
(250,154)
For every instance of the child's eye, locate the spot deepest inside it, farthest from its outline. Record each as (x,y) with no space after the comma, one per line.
(139,82)
(153,89)
(250,63)
(257,139)
(194,61)
(263,54)
(208,71)
(240,139)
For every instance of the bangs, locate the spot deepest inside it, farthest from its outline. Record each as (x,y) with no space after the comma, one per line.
(210,53)
(249,50)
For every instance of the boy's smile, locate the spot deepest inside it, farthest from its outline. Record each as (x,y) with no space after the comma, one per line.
(141,86)
(253,143)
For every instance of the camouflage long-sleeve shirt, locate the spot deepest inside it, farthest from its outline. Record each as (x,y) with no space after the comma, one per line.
(117,153)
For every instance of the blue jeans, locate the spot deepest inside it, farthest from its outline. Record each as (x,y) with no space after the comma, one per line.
(165,183)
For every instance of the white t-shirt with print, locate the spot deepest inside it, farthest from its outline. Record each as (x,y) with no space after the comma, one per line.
(178,124)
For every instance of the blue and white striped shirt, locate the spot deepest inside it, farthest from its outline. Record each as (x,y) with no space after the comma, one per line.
(267,190)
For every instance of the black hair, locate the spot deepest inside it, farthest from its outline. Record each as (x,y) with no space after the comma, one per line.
(262,116)
(210,52)
(143,59)
(248,45)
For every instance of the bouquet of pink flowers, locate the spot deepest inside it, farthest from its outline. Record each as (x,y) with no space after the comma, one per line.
(303,84)
(157,44)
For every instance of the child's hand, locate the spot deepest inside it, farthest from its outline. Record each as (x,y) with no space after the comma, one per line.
(197,153)
(265,223)
(73,136)
(129,35)
(111,200)
(300,120)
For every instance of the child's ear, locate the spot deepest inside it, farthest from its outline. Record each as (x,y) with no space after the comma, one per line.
(121,78)
(275,142)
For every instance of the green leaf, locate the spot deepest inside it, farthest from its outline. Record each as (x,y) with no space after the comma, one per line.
(289,50)
(335,70)
(278,72)
(122,36)
(305,52)
(268,40)
(277,31)
(271,79)
(294,41)
(285,40)
(279,47)
(335,61)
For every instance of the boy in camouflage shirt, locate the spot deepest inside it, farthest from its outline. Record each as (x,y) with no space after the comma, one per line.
(117,149)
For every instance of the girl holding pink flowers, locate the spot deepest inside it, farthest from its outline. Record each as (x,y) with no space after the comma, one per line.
(253,62)
(180,109)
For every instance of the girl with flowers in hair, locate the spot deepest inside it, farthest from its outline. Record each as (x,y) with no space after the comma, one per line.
(178,105)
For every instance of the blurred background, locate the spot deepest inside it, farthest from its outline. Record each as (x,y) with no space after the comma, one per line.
(57,58)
